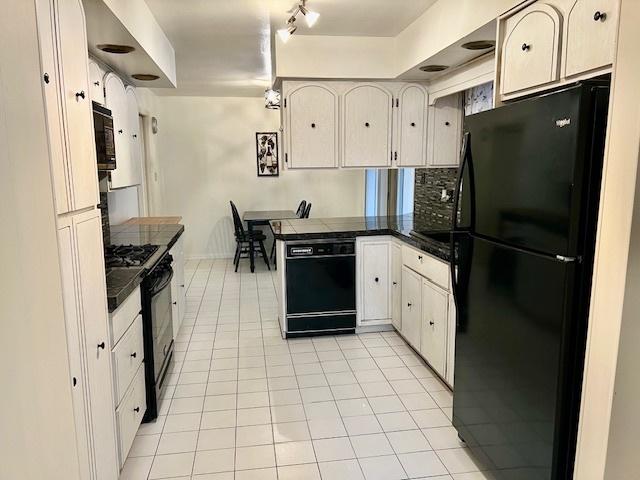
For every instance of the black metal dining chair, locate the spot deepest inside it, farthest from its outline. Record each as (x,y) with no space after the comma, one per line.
(301,208)
(307,211)
(247,243)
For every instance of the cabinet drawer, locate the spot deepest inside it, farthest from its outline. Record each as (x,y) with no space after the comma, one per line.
(124,315)
(127,358)
(129,414)
(435,270)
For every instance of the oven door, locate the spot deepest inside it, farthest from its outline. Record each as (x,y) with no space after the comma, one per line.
(161,320)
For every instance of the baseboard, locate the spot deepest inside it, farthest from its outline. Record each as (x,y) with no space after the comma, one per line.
(209,256)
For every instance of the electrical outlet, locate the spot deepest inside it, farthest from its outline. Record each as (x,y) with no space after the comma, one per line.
(445,196)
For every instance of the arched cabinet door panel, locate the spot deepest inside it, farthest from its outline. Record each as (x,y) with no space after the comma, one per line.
(116,101)
(411,129)
(366,126)
(312,127)
(530,50)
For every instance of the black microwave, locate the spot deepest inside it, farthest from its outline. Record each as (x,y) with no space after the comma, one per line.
(105,143)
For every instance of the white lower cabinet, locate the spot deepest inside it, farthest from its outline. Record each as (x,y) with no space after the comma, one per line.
(411,307)
(130,412)
(451,341)
(127,357)
(83,279)
(435,319)
(373,271)
(178,287)
(396,286)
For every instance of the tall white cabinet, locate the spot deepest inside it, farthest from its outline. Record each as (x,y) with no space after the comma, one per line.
(65,81)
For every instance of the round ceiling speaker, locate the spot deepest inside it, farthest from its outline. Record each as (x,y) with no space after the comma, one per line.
(113,48)
(433,68)
(479,45)
(145,77)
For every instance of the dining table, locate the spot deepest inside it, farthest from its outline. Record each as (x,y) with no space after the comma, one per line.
(255,218)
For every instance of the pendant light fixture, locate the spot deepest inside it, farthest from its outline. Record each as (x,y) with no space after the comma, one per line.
(310,18)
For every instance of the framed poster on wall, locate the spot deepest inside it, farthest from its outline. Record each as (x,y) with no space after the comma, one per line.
(267,154)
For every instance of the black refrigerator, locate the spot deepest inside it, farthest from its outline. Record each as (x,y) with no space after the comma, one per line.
(523,245)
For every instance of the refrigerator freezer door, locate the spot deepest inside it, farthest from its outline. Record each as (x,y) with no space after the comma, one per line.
(527,163)
(510,389)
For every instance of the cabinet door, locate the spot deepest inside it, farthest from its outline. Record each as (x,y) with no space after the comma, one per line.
(77,104)
(53,102)
(133,123)
(411,129)
(396,286)
(411,307)
(451,341)
(93,311)
(116,101)
(435,318)
(530,48)
(79,387)
(590,35)
(366,126)
(312,127)
(374,281)
(446,130)
(96,88)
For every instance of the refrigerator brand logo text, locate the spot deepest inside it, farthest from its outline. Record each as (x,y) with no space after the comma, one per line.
(563,122)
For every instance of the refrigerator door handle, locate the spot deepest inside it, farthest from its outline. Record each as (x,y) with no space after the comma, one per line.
(465,157)
(564,259)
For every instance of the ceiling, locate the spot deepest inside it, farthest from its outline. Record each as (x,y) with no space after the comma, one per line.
(223,46)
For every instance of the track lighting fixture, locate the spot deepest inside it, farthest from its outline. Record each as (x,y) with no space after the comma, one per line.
(310,18)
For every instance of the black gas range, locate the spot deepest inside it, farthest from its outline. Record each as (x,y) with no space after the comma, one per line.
(150,264)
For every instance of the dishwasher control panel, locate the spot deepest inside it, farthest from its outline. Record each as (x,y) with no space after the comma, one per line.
(321,249)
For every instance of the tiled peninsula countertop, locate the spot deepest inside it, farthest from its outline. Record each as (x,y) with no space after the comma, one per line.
(400,226)
(122,281)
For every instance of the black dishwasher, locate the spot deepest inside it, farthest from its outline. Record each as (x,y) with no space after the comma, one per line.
(320,287)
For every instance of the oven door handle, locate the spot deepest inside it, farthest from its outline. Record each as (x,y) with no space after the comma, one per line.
(157,290)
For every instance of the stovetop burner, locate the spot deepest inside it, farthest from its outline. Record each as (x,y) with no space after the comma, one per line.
(128,255)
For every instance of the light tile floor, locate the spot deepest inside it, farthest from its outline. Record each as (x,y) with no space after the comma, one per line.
(245,404)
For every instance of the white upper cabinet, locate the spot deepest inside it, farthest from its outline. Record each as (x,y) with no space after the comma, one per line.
(530,49)
(96,88)
(366,126)
(77,104)
(116,101)
(445,131)
(311,116)
(411,127)
(135,147)
(590,35)
(63,44)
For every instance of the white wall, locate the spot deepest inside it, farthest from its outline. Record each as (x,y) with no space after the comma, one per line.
(206,156)
(37,435)
(123,204)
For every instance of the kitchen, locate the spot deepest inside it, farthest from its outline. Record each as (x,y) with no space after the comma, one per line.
(162,361)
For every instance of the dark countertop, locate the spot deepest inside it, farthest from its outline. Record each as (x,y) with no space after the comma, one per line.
(400,226)
(122,281)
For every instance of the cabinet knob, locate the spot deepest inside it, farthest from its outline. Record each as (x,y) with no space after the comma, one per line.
(46,78)
(409,305)
(120,132)
(599,16)
(175,303)
(135,136)
(101,345)
(431,323)
(97,84)
(377,279)
(134,354)
(366,124)
(137,409)
(395,283)
(75,381)
(313,125)
(525,47)
(182,285)
(420,257)
(80,95)
(447,123)
(413,124)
